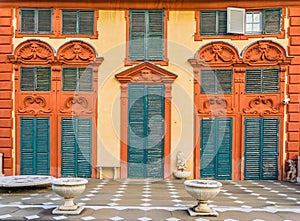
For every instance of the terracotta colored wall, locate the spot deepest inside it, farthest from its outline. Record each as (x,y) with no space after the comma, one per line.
(293,87)
(6,104)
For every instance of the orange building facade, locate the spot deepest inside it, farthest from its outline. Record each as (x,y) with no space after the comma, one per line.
(127,85)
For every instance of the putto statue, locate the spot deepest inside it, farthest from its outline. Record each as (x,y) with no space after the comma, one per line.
(181,165)
(291,174)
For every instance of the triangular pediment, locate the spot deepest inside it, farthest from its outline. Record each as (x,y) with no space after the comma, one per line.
(146,72)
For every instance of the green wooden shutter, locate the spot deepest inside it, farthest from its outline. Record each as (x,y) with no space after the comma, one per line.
(27,79)
(270,149)
(76,147)
(68,147)
(207,82)
(69,79)
(84,151)
(44,21)
(86,22)
(270,80)
(272,20)
(69,22)
(155,38)
(27,20)
(253,81)
(207,149)
(252,149)
(222,23)
(145,131)
(224,149)
(43,79)
(137,47)
(42,146)
(261,148)
(27,146)
(136,131)
(155,131)
(34,146)
(85,79)
(208,24)
(223,81)
(215,148)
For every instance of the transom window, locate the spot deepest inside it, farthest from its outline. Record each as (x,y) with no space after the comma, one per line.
(35,79)
(216,81)
(77,22)
(146,35)
(262,80)
(213,22)
(77,79)
(36,21)
(253,22)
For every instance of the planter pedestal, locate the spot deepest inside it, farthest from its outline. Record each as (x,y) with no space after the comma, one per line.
(68,188)
(202,191)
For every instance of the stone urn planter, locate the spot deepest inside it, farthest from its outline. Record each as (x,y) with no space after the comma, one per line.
(68,188)
(181,174)
(202,191)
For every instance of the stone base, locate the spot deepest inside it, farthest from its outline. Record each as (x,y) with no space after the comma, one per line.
(193,213)
(68,212)
(298,180)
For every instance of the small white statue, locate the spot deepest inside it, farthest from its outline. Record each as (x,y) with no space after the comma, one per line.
(291,174)
(181,163)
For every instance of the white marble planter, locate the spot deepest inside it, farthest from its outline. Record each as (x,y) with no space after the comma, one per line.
(68,188)
(181,174)
(202,191)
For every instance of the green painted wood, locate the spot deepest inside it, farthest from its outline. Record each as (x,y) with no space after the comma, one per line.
(34,146)
(77,79)
(261,148)
(216,81)
(36,21)
(262,80)
(213,22)
(272,20)
(216,147)
(86,22)
(146,35)
(35,79)
(145,131)
(76,147)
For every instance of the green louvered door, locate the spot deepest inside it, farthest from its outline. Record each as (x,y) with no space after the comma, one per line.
(261,148)
(34,146)
(145,131)
(76,147)
(216,147)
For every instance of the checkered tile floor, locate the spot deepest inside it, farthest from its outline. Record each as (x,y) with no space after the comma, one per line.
(146,200)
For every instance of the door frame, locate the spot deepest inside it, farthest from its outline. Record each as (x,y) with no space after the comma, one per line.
(145,73)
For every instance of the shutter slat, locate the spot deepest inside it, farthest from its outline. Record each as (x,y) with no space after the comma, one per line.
(85,79)
(223,83)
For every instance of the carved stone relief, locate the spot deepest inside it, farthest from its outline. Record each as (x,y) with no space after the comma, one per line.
(34,105)
(261,106)
(216,106)
(77,105)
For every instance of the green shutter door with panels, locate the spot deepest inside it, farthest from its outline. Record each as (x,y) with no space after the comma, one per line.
(34,146)
(76,147)
(216,147)
(261,148)
(145,131)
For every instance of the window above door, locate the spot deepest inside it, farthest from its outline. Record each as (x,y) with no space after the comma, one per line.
(146,38)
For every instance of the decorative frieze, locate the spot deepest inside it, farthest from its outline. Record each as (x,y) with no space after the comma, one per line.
(261,106)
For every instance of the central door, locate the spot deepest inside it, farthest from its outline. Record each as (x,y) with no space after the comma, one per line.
(145,131)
